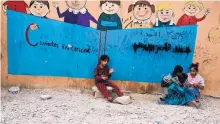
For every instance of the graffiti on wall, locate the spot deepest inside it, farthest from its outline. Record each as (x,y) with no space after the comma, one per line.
(155,47)
(72,50)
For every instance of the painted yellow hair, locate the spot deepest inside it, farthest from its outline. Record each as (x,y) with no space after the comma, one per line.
(195,3)
(163,6)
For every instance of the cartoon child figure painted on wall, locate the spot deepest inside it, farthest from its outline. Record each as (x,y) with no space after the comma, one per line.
(164,15)
(76,13)
(39,8)
(19,6)
(191,9)
(109,19)
(142,11)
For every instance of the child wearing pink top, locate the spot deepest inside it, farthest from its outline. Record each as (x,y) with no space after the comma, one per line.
(195,81)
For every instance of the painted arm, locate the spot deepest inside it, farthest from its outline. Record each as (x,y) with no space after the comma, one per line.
(119,23)
(128,25)
(206,13)
(92,18)
(200,19)
(61,14)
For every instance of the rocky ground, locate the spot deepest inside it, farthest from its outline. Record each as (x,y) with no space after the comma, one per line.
(69,106)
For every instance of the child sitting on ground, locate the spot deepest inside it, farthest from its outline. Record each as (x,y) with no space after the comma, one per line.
(178,94)
(102,74)
(195,81)
(167,80)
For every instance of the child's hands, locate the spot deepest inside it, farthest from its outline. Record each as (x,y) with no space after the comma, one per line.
(187,84)
(111,70)
(196,84)
(104,78)
(167,81)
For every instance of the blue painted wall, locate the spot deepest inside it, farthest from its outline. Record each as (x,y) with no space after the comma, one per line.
(79,61)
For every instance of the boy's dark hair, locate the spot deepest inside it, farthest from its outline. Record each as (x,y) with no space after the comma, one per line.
(118,2)
(104,58)
(177,69)
(40,1)
(182,78)
(195,66)
(141,3)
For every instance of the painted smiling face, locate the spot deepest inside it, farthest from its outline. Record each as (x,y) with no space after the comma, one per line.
(76,4)
(39,8)
(165,15)
(191,10)
(142,12)
(110,8)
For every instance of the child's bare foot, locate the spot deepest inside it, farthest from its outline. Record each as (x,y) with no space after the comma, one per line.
(194,104)
(198,105)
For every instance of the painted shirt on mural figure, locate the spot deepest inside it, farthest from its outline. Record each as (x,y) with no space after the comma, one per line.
(80,17)
(109,22)
(139,24)
(189,20)
(164,24)
(19,6)
(109,19)
(191,10)
(164,15)
(142,12)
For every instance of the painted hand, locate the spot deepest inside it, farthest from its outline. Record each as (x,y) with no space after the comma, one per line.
(33,27)
(157,20)
(5,9)
(207,12)
(111,70)
(55,5)
(172,19)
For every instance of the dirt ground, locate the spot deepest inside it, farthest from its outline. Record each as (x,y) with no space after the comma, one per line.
(69,106)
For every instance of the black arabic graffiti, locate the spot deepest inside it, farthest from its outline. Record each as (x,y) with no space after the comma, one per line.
(156,48)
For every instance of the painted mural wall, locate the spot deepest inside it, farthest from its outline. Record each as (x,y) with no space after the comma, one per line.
(58,43)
